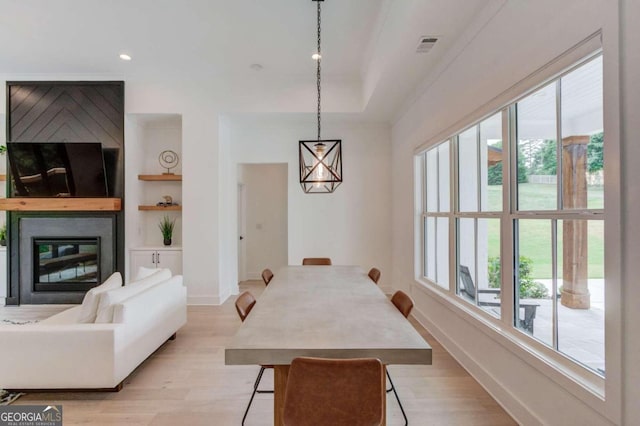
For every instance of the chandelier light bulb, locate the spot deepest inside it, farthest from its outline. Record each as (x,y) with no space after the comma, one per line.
(316,56)
(320,148)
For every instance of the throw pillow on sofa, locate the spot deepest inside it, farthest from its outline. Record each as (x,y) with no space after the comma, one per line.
(110,298)
(144,273)
(89,308)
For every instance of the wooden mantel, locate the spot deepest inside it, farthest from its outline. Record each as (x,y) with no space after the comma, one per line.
(31,204)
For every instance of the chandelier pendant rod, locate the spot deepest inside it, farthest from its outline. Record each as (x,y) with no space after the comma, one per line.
(318,71)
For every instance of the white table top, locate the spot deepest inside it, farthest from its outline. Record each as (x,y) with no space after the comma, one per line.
(325,311)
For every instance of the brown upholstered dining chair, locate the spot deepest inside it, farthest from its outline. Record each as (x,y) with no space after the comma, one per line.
(316,261)
(404,304)
(374,274)
(267,276)
(335,392)
(244,304)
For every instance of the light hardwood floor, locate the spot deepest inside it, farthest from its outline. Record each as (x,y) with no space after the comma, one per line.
(186,383)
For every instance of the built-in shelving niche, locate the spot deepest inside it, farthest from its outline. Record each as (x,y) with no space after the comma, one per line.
(147,182)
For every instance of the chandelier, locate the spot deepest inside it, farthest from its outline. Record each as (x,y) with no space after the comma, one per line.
(320,160)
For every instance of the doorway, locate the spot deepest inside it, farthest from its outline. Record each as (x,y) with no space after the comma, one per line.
(262,219)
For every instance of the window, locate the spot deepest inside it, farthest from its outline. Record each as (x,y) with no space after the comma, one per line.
(436,216)
(524,215)
(561,246)
(479,194)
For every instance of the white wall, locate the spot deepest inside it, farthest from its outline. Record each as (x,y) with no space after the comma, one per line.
(192,99)
(133,189)
(352,225)
(265,237)
(630,119)
(519,39)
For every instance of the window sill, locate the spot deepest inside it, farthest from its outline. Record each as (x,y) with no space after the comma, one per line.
(579,381)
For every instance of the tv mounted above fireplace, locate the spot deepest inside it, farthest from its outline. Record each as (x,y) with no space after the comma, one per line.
(57,169)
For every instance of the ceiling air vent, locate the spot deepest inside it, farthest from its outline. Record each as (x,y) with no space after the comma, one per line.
(426,43)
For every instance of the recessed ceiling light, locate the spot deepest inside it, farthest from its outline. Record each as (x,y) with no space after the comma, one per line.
(125,57)
(256,67)
(316,56)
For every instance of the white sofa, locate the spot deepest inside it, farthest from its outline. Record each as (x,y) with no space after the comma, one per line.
(59,353)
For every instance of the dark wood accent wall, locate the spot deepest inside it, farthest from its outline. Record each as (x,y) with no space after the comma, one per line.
(68,111)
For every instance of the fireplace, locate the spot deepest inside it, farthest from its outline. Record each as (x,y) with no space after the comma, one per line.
(59,247)
(65,264)
(61,256)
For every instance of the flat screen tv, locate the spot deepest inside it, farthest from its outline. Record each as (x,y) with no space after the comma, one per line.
(57,169)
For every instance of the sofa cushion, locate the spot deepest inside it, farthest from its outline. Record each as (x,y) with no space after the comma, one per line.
(112,297)
(89,307)
(157,276)
(144,273)
(68,316)
(157,301)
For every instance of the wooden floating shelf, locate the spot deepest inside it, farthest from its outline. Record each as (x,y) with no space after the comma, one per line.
(156,178)
(3,178)
(160,208)
(29,204)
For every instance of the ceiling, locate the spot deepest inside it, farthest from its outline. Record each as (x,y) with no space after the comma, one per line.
(369,43)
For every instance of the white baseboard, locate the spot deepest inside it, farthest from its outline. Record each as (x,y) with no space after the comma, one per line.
(512,405)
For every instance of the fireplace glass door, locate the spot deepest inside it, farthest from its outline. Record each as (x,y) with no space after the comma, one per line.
(66,264)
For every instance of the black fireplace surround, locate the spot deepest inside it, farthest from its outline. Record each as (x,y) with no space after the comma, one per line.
(86,254)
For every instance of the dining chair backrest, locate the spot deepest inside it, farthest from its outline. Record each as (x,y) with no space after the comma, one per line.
(403,302)
(316,261)
(267,275)
(374,274)
(244,304)
(349,392)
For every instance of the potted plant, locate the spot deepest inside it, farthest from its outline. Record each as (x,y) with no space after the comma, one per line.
(166,227)
(3,235)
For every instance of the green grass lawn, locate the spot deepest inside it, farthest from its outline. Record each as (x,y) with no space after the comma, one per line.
(535,234)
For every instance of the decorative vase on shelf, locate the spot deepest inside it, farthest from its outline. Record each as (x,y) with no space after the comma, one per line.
(167,241)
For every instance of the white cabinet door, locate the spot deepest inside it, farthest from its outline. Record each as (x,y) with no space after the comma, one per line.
(146,258)
(171,259)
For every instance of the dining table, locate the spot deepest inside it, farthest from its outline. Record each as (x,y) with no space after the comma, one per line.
(326,312)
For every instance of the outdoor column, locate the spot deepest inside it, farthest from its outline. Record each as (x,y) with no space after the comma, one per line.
(575,286)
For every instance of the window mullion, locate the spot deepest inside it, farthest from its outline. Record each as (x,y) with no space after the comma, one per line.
(554,282)
(509,203)
(559,177)
(453,208)
(424,182)
(475,242)
(437,179)
(478,173)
